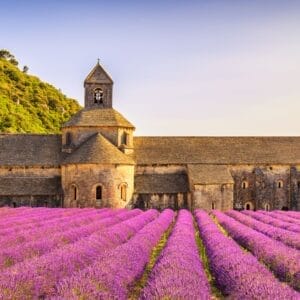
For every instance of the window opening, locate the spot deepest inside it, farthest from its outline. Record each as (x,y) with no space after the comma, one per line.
(74,192)
(98,96)
(123,192)
(244,184)
(99,192)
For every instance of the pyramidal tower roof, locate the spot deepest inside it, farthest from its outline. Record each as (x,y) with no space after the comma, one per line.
(107,117)
(98,150)
(98,75)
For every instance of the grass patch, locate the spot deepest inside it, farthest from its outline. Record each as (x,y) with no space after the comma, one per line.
(225,232)
(216,294)
(140,284)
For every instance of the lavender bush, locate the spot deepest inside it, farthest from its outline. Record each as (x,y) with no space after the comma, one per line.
(36,278)
(238,274)
(111,277)
(284,261)
(284,216)
(268,219)
(179,273)
(39,246)
(289,238)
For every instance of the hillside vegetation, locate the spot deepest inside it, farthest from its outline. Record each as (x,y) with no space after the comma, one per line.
(28,104)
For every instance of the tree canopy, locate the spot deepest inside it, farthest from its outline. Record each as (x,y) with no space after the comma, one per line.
(28,104)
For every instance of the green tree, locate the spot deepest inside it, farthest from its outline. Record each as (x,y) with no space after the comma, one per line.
(8,56)
(28,104)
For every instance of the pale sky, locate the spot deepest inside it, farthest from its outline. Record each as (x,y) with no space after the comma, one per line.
(179,67)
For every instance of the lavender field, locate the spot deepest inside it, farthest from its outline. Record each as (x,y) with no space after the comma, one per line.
(55,253)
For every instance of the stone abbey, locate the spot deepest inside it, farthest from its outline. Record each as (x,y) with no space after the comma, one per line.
(97,162)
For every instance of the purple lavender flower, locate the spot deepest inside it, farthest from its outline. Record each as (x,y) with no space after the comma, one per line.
(267,218)
(37,277)
(179,273)
(284,261)
(289,238)
(238,274)
(285,216)
(112,275)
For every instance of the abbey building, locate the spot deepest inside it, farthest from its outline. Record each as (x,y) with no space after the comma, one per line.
(97,161)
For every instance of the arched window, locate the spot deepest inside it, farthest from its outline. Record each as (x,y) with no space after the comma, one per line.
(74,192)
(213,206)
(244,184)
(98,96)
(248,206)
(14,204)
(280,184)
(267,207)
(99,192)
(68,138)
(123,190)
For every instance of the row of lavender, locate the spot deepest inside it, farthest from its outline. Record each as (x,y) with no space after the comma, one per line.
(238,274)
(267,243)
(39,276)
(35,242)
(96,254)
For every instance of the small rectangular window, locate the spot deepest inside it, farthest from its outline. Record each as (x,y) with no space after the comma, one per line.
(98,193)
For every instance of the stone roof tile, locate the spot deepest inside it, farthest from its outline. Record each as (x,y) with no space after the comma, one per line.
(96,117)
(30,149)
(161,183)
(209,174)
(97,150)
(217,150)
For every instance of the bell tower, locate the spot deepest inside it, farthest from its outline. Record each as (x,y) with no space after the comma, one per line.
(98,88)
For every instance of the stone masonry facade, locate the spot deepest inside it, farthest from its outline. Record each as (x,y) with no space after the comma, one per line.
(97,162)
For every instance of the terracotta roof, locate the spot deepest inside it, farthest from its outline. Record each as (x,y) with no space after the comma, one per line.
(98,75)
(30,150)
(160,183)
(15,186)
(209,174)
(106,117)
(217,150)
(97,149)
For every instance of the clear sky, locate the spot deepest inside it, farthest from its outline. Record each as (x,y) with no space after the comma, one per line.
(179,67)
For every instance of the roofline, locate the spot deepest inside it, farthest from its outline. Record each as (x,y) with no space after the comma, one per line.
(97,126)
(91,163)
(218,136)
(30,134)
(211,183)
(93,70)
(48,166)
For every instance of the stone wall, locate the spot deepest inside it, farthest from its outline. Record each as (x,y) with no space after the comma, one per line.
(30,186)
(86,178)
(162,200)
(295,188)
(33,201)
(213,196)
(27,171)
(80,134)
(264,187)
(168,196)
